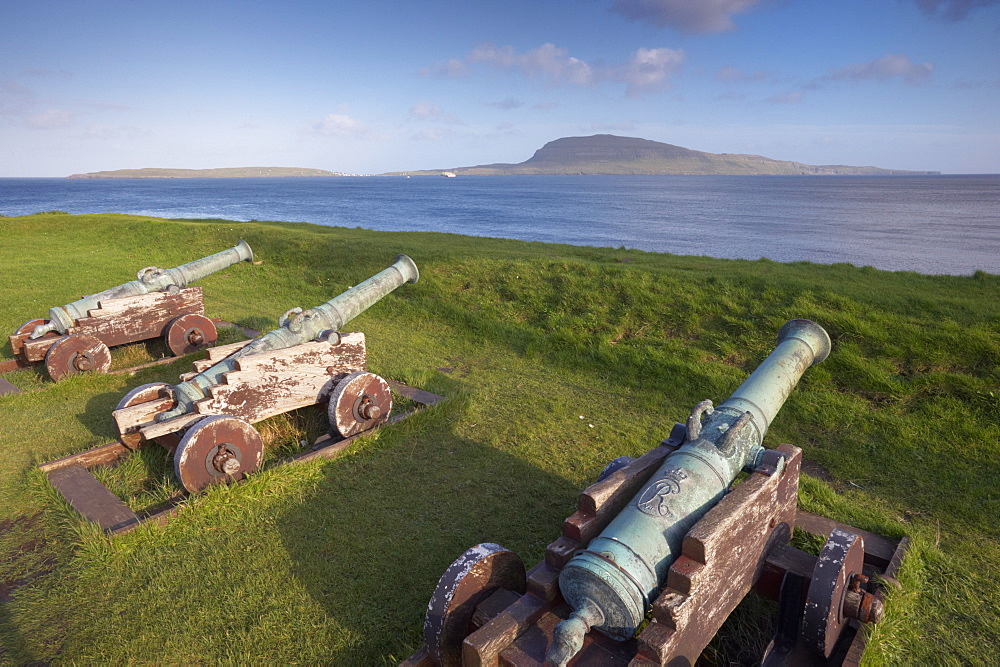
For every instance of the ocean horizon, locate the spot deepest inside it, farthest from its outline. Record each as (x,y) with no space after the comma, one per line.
(932,224)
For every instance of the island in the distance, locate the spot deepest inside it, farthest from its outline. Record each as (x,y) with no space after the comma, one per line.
(600,154)
(226,172)
(608,154)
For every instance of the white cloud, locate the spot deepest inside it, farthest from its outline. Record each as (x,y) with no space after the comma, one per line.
(50,119)
(342,126)
(547,61)
(649,69)
(887,67)
(690,16)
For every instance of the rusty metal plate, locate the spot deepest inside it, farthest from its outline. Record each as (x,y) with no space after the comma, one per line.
(78,353)
(469,580)
(217,450)
(189,333)
(143,394)
(359,402)
(823,618)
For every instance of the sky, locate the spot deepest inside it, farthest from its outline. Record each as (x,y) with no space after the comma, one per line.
(373,86)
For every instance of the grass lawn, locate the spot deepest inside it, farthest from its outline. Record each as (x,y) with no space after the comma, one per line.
(555,359)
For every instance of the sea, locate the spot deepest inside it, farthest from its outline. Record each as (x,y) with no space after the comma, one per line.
(929,224)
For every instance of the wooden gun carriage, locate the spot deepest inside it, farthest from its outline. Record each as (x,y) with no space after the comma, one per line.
(486,610)
(76,337)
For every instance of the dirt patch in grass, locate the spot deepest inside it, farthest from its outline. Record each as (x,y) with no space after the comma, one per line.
(818,471)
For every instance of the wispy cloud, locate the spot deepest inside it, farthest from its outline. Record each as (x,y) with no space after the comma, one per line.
(506,104)
(793,97)
(887,67)
(689,16)
(449,69)
(736,75)
(50,73)
(964,84)
(646,70)
(14,88)
(51,119)
(952,10)
(432,112)
(432,134)
(890,67)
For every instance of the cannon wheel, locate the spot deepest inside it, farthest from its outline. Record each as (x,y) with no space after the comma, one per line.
(78,353)
(143,394)
(359,402)
(29,326)
(468,581)
(190,332)
(823,618)
(218,449)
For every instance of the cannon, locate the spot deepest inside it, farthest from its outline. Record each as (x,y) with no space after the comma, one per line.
(207,418)
(76,337)
(668,538)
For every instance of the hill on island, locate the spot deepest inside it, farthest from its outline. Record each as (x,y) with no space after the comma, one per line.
(610,154)
(226,172)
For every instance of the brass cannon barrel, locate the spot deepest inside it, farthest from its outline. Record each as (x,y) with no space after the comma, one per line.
(298,326)
(611,584)
(149,279)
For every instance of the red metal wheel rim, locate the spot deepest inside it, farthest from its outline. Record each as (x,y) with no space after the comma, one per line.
(143,394)
(189,333)
(468,581)
(29,326)
(78,353)
(359,402)
(197,459)
(823,618)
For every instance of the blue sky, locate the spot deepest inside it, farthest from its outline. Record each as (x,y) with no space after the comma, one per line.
(373,86)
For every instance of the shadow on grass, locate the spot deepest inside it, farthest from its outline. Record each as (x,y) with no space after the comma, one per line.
(96,416)
(371,541)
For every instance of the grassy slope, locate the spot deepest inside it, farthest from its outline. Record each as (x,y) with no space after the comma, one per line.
(335,561)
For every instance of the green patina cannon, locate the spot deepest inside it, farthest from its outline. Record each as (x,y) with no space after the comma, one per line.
(611,584)
(207,417)
(671,542)
(76,337)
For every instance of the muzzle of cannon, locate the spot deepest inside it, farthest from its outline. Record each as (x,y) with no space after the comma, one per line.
(611,583)
(149,279)
(296,327)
